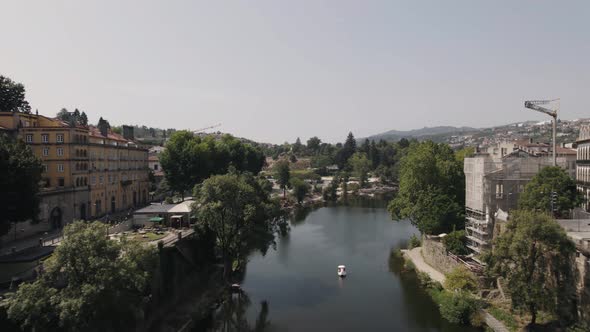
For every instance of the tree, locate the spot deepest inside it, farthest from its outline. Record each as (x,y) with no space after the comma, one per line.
(360,166)
(300,189)
(91,283)
(538,192)
(189,159)
(20,174)
(237,208)
(536,257)
(431,189)
(12,96)
(282,174)
(313,144)
(455,242)
(461,279)
(297,146)
(347,150)
(83,119)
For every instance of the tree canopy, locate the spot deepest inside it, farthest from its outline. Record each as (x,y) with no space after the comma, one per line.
(74,118)
(431,189)
(300,189)
(537,194)
(282,174)
(535,256)
(20,174)
(189,159)
(106,284)
(360,167)
(12,96)
(237,208)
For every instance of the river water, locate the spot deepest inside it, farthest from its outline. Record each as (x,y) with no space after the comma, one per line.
(301,289)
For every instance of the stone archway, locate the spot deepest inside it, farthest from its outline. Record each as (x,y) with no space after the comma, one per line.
(55,218)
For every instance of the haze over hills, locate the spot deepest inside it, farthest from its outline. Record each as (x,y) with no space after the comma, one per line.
(395,135)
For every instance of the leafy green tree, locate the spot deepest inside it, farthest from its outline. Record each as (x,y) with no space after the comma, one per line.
(12,96)
(300,189)
(237,208)
(20,174)
(537,193)
(455,242)
(461,279)
(457,307)
(282,174)
(189,159)
(91,283)
(313,144)
(536,257)
(347,150)
(297,146)
(431,189)
(360,166)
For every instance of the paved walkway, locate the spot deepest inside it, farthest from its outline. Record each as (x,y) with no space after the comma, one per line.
(415,255)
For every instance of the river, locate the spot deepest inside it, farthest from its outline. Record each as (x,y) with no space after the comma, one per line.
(302,292)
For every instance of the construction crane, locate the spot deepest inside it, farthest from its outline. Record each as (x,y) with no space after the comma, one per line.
(534,105)
(203,129)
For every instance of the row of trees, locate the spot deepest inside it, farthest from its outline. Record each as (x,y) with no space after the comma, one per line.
(190,159)
(382,157)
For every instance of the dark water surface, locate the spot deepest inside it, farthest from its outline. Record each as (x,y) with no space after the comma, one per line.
(302,291)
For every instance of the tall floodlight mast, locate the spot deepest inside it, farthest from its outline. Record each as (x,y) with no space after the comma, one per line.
(534,105)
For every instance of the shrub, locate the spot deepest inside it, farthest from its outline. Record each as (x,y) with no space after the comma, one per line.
(457,307)
(169,200)
(461,279)
(455,242)
(414,242)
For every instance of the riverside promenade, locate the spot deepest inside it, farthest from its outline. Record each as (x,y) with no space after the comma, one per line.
(415,255)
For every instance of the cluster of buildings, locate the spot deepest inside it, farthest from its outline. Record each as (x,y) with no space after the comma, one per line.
(496,176)
(88,171)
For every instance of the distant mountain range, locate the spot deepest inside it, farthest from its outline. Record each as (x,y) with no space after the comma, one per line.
(426,132)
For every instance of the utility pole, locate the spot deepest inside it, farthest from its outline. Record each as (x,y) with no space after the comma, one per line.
(534,105)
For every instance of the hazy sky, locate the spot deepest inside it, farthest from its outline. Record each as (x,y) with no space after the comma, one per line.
(275,70)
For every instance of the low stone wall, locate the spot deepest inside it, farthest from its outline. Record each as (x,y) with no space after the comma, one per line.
(435,255)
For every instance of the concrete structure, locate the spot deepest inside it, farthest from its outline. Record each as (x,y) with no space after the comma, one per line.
(83,168)
(493,184)
(583,165)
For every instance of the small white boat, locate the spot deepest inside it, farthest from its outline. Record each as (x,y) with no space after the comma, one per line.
(341,271)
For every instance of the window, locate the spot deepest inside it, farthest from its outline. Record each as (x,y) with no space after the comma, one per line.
(47,182)
(45,152)
(101,179)
(29,138)
(61,182)
(60,151)
(60,168)
(499,190)
(45,168)
(45,138)
(93,180)
(60,138)
(155,167)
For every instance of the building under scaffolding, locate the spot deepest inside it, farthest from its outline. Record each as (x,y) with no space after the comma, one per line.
(492,187)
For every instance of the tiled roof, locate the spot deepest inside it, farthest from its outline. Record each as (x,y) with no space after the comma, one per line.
(95,132)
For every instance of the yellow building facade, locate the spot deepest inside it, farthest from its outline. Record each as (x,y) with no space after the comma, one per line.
(86,173)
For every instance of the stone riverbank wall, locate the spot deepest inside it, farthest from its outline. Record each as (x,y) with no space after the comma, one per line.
(435,255)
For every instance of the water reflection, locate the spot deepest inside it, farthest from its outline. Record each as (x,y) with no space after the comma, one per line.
(231,316)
